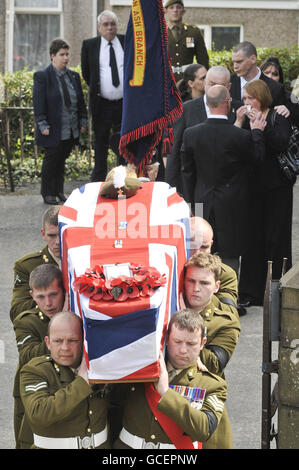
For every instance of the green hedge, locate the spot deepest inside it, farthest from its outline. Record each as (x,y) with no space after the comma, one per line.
(19,86)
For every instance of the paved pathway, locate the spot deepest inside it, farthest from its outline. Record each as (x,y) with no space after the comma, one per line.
(20,216)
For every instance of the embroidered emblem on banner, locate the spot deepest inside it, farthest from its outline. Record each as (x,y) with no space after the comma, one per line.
(194,395)
(139,44)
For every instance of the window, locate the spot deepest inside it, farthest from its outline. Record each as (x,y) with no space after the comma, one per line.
(37,3)
(35,24)
(225,37)
(221,37)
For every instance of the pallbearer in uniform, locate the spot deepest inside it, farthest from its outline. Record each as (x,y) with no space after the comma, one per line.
(64,411)
(21,298)
(183,409)
(31,326)
(201,239)
(201,285)
(185,41)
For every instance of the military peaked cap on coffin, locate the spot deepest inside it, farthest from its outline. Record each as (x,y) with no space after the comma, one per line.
(172,2)
(121,180)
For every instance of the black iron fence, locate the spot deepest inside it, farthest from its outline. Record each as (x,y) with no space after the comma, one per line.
(17,127)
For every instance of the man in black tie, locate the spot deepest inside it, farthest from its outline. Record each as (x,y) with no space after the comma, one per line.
(102,69)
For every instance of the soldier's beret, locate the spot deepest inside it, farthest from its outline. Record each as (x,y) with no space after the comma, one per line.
(172,2)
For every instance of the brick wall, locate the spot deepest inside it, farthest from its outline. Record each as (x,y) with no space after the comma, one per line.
(265,28)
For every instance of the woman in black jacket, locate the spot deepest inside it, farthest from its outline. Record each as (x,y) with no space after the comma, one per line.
(272,68)
(271,199)
(60,115)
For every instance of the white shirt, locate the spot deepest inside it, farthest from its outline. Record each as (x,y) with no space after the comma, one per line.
(244,82)
(109,91)
(218,116)
(206,106)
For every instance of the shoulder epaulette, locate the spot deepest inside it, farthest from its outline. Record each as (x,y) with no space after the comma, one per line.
(36,361)
(36,254)
(25,313)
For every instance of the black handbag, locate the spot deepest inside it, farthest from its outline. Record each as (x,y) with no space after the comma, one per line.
(289,159)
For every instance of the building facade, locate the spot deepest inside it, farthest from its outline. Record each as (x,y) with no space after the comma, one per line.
(28,26)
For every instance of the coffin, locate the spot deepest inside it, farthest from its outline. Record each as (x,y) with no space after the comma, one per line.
(123,337)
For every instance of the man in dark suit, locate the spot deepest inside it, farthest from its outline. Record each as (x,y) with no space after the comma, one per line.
(60,115)
(195,112)
(102,69)
(216,160)
(244,57)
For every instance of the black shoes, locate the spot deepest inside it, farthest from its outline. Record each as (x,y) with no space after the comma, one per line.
(61,197)
(50,200)
(241,311)
(248,301)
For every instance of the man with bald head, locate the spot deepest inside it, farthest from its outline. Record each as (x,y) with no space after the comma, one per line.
(62,409)
(216,162)
(194,112)
(201,239)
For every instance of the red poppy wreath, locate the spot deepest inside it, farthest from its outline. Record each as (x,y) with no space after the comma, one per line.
(143,282)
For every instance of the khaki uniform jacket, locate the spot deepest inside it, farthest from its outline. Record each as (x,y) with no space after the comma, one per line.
(30,329)
(139,420)
(189,46)
(223,329)
(59,404)
(21,299)
(228,288)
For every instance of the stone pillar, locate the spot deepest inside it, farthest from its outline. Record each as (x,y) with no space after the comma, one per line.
(3,45)
(79,17)
(288,373)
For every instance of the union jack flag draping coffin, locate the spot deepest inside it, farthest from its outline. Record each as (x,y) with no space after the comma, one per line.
(123,339)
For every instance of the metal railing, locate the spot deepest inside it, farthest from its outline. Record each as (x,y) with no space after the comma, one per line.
(24,145)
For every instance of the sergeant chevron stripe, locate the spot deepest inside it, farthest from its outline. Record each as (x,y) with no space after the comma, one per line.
(19,343)
(214,401)
(36,387)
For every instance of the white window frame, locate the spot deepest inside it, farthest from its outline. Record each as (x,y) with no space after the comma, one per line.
(239,4)
(242,4)
(208,31)
(11,10)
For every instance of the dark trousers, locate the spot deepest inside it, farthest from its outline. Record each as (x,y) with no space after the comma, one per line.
(270,239)
(106,126)
(52,174)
